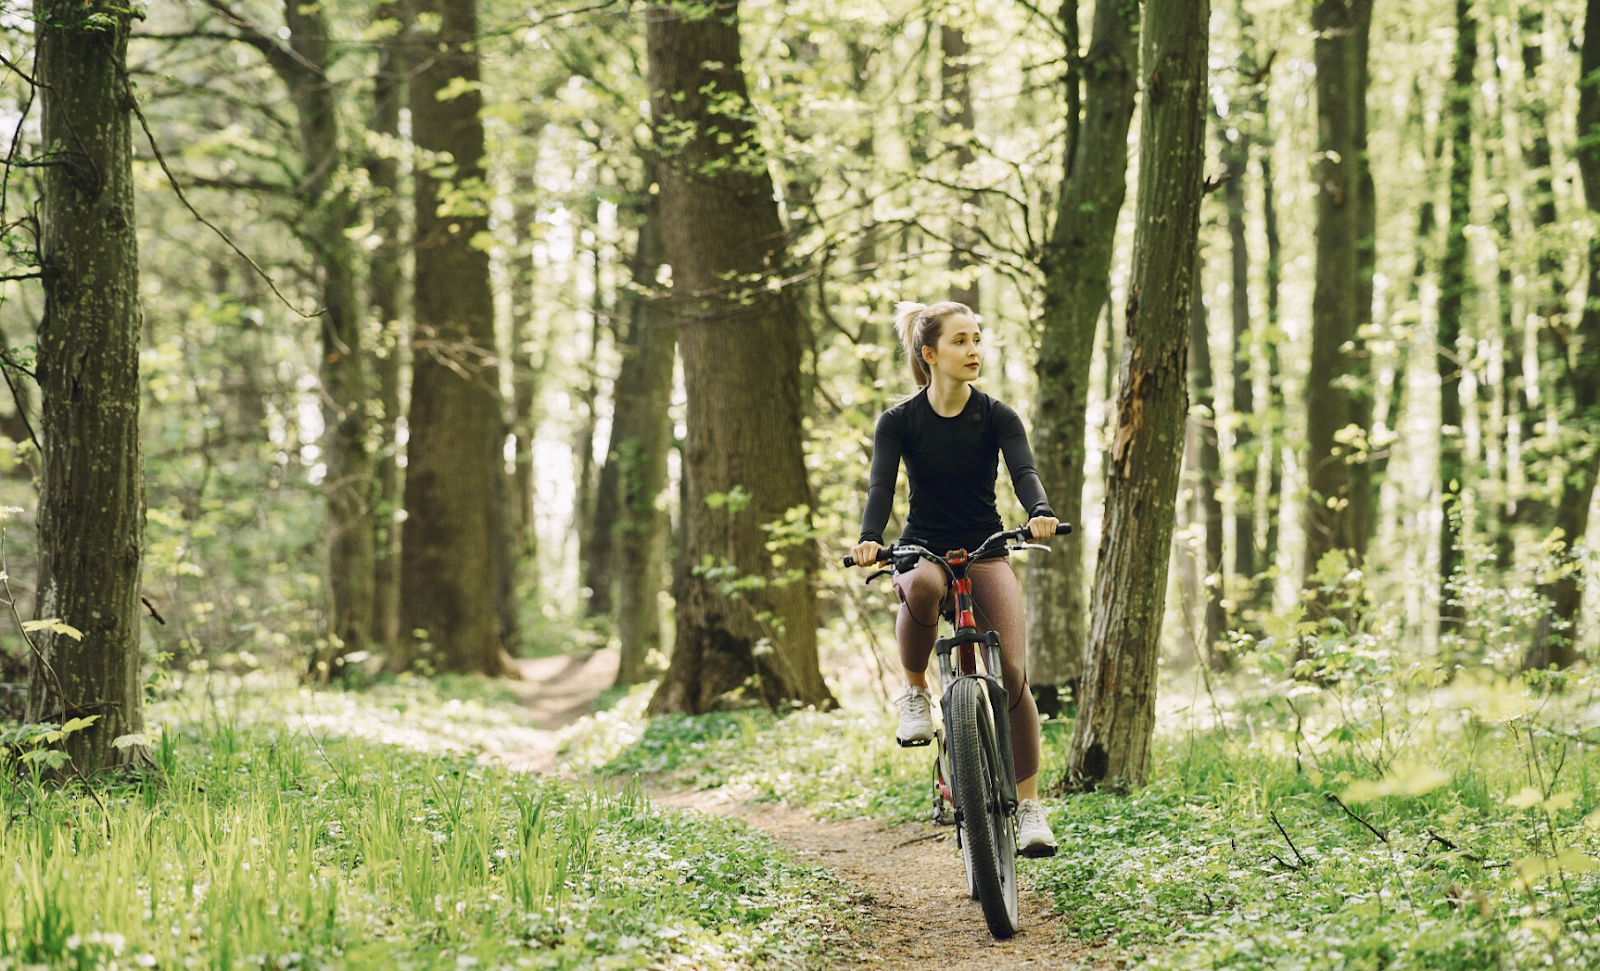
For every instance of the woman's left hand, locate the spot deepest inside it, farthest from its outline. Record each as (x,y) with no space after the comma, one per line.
(1043,527)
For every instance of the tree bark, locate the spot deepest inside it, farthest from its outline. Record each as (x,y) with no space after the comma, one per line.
(1340,27)
(641,439)
(91,503)
(1077,274)
(386,277)
(1453,285)
(740,342)
(1555,641)
(447,563)
(1116,717)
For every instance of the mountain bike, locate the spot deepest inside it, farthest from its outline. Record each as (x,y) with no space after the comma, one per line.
(973,771)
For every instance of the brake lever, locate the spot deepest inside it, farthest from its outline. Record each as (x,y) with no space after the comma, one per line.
(1032,546)
(880,573)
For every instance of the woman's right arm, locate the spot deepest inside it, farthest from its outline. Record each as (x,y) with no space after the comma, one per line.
(881,482)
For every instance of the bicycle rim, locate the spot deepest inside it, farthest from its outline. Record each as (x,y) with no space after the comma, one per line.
(988,839)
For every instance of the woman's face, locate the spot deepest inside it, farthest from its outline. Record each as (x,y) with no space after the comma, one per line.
(959,352)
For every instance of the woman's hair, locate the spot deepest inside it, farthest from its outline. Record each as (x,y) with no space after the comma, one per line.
(919,326)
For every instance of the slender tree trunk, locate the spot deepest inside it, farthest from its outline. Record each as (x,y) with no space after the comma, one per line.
(343,366)
(1340,27)
(1453,285)
(385,280)
(741,363)
(1548,285)
(594,536)
(640,443)
(1208,477)
(1116,717)
(91,502)
(1246,454)
(1363,491)
(1277,407)
(1555,642)
(524,371)
(447,565)
(1077,273)
(955,71)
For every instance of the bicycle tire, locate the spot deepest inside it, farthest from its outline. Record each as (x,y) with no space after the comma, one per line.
(989,836)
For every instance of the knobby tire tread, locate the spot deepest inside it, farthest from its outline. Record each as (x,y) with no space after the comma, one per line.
(969,751)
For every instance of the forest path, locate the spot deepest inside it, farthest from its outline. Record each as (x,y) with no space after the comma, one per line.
(916,913)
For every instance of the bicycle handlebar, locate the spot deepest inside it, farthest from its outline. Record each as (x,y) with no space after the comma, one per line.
(1021,534)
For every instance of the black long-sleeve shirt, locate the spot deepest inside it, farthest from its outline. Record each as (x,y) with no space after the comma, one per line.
(951,464)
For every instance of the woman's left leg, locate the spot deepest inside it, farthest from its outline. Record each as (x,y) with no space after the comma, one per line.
(998,598)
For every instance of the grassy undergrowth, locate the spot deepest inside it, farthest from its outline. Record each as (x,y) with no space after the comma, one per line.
(362,830)
(1407,822)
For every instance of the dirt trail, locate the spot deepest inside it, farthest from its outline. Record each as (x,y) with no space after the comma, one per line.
(918,917)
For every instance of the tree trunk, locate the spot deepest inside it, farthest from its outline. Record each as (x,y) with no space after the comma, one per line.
(594,537)
(1555,641)
(1548,285)
(1077,273)
(955,71)
(641,439)
(1208,477)
(447,570)
(1277,406)
(386,277)
(1363,492)
(91,503)
(1246,453)
(741,361)
(525,373)
(1116,717)
(1340,26)
(1454,281)
(343,367)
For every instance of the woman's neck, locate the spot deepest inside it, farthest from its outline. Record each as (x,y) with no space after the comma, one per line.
(948,396)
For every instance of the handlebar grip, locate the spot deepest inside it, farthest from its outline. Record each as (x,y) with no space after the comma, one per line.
(849,560)
(884,556)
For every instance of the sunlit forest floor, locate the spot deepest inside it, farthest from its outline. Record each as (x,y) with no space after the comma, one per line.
(1405,822)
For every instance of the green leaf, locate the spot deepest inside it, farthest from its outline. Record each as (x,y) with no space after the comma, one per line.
(122,742)
(78,724)
(1403,779)
(51,758)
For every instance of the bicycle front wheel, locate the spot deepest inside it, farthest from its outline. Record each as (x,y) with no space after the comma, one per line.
(988,830)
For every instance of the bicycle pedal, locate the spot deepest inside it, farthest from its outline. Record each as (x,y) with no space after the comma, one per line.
(1038,852)
(913,742)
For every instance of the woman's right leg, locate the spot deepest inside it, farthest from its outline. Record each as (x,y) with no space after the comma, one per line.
(916,628)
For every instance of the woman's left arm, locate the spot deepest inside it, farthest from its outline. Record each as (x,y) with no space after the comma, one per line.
(1024,477)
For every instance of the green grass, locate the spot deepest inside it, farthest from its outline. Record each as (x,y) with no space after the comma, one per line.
(332,830)
(1485,792)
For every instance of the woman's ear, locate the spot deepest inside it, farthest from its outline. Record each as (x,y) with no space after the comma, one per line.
(928,356)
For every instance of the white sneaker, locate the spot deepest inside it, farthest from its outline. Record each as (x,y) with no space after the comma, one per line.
(916,716)
(1034,838)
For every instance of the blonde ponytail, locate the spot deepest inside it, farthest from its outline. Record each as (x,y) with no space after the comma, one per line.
(919,326)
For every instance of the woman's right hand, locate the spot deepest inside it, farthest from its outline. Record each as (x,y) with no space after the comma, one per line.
(866,553)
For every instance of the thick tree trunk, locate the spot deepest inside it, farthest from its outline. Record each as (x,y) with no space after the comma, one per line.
(641,439)
(1116,717)
(343,369)
(1336,348)
(1555,642)
(1453,286)
(91,504)
(385,278)
(741,361)
(447,569)
(1077,273)
(1208,473)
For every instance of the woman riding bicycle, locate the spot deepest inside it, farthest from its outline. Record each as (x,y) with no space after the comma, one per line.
(949,435)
